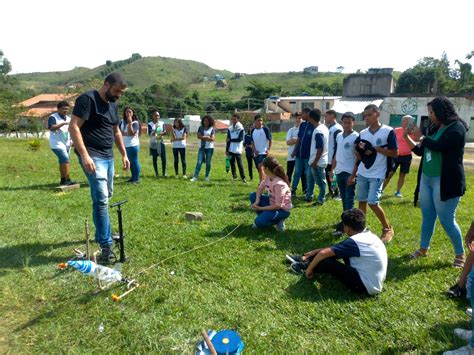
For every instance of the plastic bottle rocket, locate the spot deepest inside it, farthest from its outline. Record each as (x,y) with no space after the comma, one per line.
(227,164)
(103,273)
(334,182)
(158,130)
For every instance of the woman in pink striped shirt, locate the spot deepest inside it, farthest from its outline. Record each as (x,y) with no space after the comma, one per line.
(274,208)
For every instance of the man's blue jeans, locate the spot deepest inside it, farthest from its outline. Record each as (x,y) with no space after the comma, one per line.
(346,192)
(101,186)
(132,153)
(318,176)
(267,218)
(300,166)
(204,154)
(432,207)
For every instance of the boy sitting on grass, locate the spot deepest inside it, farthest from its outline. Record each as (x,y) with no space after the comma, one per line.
(364,254)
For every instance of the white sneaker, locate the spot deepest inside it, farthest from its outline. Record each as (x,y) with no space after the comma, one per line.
(185,177)
(463,334)
(469,312)
(281,226)
(193,179)
(464,350)
(206,178)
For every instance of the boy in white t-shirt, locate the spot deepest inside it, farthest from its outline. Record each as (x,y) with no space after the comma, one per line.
(261,144)
(365,257)
(60,140)
(376,143)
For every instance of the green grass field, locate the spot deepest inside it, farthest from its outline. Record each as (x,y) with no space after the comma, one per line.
(240,282)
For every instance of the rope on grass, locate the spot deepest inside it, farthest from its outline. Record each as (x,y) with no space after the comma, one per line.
(187,251)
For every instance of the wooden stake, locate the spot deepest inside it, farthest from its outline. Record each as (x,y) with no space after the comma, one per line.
(88,252)
(209,343)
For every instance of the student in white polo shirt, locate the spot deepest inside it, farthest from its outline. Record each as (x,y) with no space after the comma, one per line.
(375,144)
(261,143)
(60,141)
(334,129)
(343,163)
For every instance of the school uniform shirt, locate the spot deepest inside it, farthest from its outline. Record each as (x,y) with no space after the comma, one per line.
(279,192)
(261,138)
(345,152)
(366,253)
(154,138)
(179,133)
(291,134)
(59,139)
(305,134)
(130,141)
(206,133)
(235,134)
(334,129)
(384,136)
(319,140)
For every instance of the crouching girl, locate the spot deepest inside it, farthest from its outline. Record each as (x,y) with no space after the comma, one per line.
(274,208)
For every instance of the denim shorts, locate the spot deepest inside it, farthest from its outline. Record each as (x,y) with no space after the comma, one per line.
(62,154)
(259,159)
(369,189)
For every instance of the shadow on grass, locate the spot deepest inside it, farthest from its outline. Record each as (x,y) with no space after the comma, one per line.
(322,287)
(51,187)
(291,241)
(401,267)
(28,255)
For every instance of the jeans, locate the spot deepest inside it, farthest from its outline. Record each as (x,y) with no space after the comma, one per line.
(101,186)
(267,218)
(233,158)
(369,189)
(432,207)
(249,164)
(204,154)
(182,153)
(318,177)
(132,153)
(301,167)
(154,154)
(347,192)
(290,168)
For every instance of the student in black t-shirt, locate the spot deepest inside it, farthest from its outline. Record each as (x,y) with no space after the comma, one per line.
(94,127)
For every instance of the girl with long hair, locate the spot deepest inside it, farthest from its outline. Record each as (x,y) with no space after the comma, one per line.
(274,208)
(179,135)
(206,134)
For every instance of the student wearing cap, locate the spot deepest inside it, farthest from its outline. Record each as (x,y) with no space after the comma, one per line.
(375,144)
(404,156)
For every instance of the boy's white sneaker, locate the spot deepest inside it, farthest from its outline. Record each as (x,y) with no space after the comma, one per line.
(193,179)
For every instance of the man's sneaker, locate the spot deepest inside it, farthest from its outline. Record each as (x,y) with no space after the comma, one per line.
(468,311)
(457,291)
(244,181)
(281,226)
(206,178)
(387,235)
(337,198)
(193,179)
(106,256)
(294,258)
(464,350)
(70,182)
(299,268)
(463,334)
(398,194)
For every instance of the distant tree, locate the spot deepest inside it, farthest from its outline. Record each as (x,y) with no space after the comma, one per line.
(5,65)
(108,63)
(340,69)
(470,55)
(261,91)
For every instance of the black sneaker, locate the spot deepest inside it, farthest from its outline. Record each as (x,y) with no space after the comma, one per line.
(457,291)
(299,268)
(70,182)
(294,258)
(107,256)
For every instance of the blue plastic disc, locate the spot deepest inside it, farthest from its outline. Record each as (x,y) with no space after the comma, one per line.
(226,341)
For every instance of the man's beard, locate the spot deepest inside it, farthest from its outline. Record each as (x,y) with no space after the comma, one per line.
(110,97)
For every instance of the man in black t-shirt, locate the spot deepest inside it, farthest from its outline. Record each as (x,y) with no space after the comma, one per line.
(93,129)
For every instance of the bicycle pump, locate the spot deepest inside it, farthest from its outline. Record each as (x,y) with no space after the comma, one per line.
(121,237)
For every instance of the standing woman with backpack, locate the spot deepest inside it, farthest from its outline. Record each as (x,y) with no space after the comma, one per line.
(130,128)
(178,138)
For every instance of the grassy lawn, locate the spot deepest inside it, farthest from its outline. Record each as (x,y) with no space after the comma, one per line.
(239,283)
